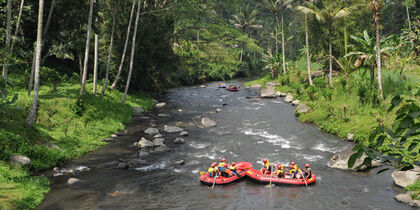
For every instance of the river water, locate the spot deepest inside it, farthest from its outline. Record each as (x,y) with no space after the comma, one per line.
(248,130)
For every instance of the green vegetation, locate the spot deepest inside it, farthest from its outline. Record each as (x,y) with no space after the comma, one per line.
(414,189)
(74,124)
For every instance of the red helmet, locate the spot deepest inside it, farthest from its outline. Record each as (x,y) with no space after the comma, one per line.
(223,159)
(214,164)
(292,163)
(264,160)
(233,163)
(291,166)
(307,165)
(278,165)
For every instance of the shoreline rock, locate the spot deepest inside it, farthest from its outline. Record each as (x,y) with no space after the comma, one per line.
(404,178)
(340,159)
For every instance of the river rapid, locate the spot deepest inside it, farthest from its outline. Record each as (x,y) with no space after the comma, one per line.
(248,129)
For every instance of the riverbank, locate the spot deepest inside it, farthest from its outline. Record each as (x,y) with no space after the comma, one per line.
(350,111)
(66,128)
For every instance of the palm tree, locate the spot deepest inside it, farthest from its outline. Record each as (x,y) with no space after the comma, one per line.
(110,51)
(133,47)
(95,65)
(85,64)
(283,5)
(17,24)
(114,84)
(346,62)
(376,6)
(274,7)
(30,120)
(8,31)
(244,20)
(308,57)
(327,13)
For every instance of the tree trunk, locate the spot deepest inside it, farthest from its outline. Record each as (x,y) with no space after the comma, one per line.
(80,66)
(378,60)
(308,57)
(31,119)
(408,17)
(282,43)
(110,51)
(242,51)
(47,25)
(85,64)
(95,65)
(8,33)
(17,24)
(133,47)
(276,31)
(114,84)
(31,77)
(330,46)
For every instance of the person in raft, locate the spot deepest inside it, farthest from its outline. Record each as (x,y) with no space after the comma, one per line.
(307,171)
(233,168)
(267,167)
(213,170)
(279,172)
(224,168)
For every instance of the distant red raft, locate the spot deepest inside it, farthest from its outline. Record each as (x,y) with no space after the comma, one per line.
(257,176)
(232,88)
(242,167)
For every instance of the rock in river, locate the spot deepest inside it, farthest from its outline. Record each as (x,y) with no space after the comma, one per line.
(184,133)
(75,183)
(162,148)
(144,143)
(301,108)
(340,160)
(172,129)
(160,105)
(404,178)
(179,141)
(158,142)
(207,122)
(288,99)
(143,154)
(295,102)
(151,131)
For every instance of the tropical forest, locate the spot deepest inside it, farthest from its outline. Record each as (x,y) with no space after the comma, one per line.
(225,104)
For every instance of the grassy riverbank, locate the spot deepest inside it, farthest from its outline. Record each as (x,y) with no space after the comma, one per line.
(75,126)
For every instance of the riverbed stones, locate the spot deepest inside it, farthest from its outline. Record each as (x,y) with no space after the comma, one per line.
(218,110)
(143,154)
(144,143)
(207,122)
(162,148)
(136,162)
(179,162)
(75,182)
(158,136)
(160,105)
(112,164)
(179,141)
(288,99)
(406,198)
(137,110)
(404,178)
(350,137)
(340,160)
(20,160)
(163,115)
(172,129)
(268,92)
(158,142)
(184,133)
(295,102)
(203,86)
(151,131)
(302,108)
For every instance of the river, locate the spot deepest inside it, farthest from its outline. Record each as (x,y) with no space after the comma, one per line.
(248,130)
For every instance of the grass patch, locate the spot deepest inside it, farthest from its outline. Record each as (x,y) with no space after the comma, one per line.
(415,190)
(74,124)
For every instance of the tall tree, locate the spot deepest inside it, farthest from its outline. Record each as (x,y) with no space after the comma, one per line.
(114,84)
(308,57)
(31,119)
(133,47)
(109,51)
(95,65)
(274,7)
(85,65)
(8,31)
(17,23)
(283,5)
(376,6)
(407,4)
(327,13)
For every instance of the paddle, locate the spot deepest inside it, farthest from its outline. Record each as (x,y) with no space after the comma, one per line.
(271,173)
(214,181)
(303,178)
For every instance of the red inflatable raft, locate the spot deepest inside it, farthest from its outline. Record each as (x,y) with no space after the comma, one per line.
(257,176)
(242,168)
(232,88)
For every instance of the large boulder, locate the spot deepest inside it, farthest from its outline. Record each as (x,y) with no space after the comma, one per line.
(302,108)
(144,143)
(172,129)
(162,148)
(151,131)
(269,91)
(288,99)
(158,142)
(160,105)
(207,122)
(20,160)
(406,198)
(340,159)
(404,178)
(295,102)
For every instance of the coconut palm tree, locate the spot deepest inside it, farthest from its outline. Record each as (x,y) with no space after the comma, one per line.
(30,120)
(328,12)
(274,7)
(244,20)
(109,51)
(376,6)
(85,64)
(8,35)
